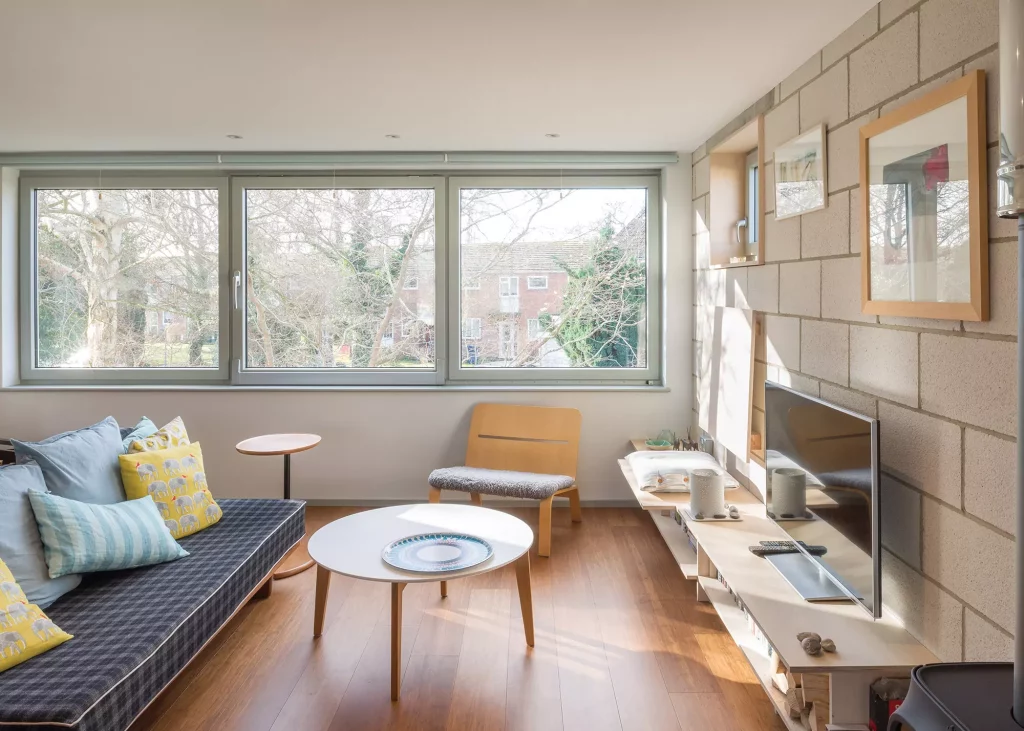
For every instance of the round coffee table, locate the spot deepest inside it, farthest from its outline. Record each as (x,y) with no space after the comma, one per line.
(274,445)
(352,546)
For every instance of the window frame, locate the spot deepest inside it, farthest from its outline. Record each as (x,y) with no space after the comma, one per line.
(649,375)
(536,276)
(448,284)
(28,320)
(243,375)
(753,209)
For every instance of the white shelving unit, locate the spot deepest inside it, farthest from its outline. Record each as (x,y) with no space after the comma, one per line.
(678,545)
(736,624)
(868,648)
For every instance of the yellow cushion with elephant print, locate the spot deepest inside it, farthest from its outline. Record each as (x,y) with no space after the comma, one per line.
(172,434)
(24,630)
(176,480)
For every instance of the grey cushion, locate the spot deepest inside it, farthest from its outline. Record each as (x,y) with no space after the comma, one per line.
(79,465)
(145,428)
(499,482)
(20,545)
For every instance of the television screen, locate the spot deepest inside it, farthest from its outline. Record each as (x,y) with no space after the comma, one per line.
(823,486)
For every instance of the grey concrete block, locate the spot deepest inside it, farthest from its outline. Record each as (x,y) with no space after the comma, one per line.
(885,66)
(840,290)
(954,30)
(826,232)
(990,478)
(800,288)
(884,362)
(970,380)
(850,38)
(825,350)
(970,560)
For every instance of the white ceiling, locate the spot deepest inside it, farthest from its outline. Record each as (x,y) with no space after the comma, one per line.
(630,75)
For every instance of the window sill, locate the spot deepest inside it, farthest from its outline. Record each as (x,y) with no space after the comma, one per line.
(656,388)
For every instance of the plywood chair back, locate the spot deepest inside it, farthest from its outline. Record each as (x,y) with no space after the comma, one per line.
(539,439)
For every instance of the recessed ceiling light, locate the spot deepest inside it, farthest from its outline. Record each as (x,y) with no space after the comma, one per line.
(553,135)
(393,137)
(234,137)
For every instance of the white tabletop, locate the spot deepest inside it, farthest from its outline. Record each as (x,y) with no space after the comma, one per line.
(352,545)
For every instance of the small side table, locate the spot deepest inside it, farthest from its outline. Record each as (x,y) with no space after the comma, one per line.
(270,445)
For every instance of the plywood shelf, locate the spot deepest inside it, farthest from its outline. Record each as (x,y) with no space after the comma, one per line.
(868,648)
(736,624)
(667,501)
(677,542)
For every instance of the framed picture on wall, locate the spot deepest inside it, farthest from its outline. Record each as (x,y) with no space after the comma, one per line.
(800,172)
(924,206)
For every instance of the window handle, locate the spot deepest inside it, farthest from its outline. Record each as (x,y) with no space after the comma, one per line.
(236,285)
(742,223)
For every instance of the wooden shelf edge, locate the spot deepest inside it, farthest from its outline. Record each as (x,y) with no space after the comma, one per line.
(736,625)
(737,264)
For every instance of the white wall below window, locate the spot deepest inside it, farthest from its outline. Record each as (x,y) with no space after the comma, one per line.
(381,445)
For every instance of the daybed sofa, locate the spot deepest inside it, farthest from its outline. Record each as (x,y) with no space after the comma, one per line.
(135,630)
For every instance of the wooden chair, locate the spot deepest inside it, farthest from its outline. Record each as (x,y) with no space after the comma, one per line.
(519,451)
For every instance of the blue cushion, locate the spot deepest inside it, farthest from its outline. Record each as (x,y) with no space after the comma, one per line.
(79,537)
(145,428)
(79,465)
(20,546)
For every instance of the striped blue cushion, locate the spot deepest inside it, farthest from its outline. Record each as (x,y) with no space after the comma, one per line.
(81,537)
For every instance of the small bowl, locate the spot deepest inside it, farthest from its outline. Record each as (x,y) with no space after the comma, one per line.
(657,446)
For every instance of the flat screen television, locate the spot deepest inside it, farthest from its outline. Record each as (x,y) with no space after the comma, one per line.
(823,488)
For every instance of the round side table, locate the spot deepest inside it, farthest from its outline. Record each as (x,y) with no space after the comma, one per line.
(273,445)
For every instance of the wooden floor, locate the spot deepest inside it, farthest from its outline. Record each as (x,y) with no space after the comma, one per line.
(621,644)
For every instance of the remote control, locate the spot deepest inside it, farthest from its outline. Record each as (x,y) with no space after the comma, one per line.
(775,548)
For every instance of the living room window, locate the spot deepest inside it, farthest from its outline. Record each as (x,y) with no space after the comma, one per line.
(287,280)
(121,282)
(583,248)
(328,267)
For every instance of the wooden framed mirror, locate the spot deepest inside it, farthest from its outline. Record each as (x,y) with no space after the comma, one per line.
(924,207)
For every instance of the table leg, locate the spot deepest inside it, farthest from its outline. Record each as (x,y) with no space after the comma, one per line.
(525,595)
(323,584)
(396,639)
(285,573)
(444,589)
(287,477)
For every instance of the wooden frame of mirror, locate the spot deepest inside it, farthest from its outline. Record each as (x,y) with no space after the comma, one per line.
(963,296)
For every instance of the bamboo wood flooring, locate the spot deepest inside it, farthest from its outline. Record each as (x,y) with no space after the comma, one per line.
(621,643)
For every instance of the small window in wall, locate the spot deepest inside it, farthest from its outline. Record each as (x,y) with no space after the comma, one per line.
(471,283)
(412,282)
(537,282)
(472,328)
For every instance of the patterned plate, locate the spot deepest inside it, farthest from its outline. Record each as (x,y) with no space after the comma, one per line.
(437,552)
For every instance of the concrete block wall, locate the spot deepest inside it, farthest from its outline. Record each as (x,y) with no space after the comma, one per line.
(945,392)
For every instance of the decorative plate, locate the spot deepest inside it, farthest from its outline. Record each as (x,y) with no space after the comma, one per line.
(434,553)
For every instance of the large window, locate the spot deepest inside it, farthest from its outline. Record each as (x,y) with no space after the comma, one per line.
(123,281)
(391,280)
(564,272)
